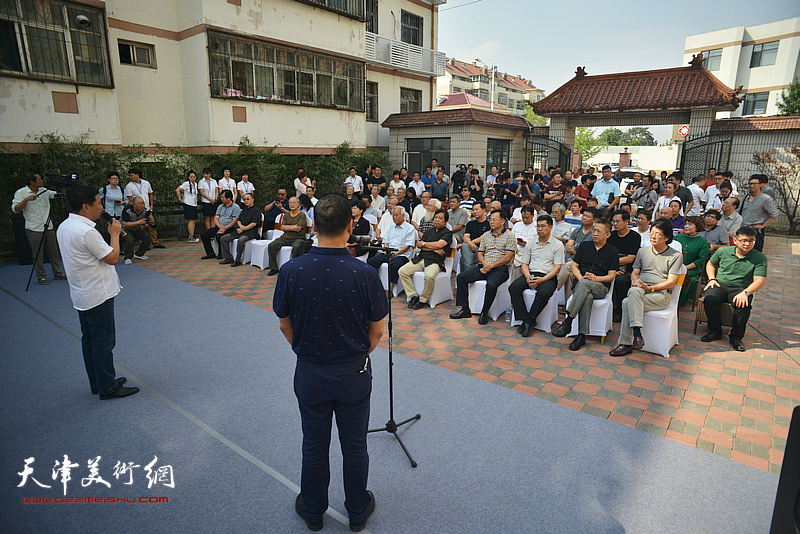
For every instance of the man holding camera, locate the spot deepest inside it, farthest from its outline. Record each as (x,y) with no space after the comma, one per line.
(34,203)
(135,220)
(93,284)
(137,187)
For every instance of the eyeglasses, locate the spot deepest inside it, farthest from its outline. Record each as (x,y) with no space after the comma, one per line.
(746,241)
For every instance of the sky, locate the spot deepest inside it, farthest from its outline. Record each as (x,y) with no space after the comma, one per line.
(545,41)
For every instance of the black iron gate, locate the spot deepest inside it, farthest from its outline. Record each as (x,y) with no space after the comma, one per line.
(702,152)
(542,152)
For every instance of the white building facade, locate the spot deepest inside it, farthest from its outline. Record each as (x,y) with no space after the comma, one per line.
(301,75)
(762,59)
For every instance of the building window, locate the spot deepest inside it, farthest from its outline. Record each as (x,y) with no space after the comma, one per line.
(712,58)
(456,89)
(755,103)
(410,100)
(372,102)
(411,28)
(51,40)
(497,153)
(349,8)
(502,100)
(139,54)
(420,152)
(764,54)
(253,69)
(372,16)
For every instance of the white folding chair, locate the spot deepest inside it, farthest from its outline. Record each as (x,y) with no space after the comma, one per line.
(259,255)
(477,292)
(600,322)
(285,253)
(548,316)
(660,327)
(442,289)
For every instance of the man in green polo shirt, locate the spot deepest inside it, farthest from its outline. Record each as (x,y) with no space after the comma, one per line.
(734,275)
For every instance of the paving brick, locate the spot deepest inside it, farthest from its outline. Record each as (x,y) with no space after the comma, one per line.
(655,419)
(622,419)
(571,404)
(680,438)
(603,404)
(525,389)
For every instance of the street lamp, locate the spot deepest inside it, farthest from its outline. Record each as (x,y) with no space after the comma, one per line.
(494,67)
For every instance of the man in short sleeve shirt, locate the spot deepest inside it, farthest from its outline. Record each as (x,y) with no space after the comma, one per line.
(627,244)
(734,275)
(331,308)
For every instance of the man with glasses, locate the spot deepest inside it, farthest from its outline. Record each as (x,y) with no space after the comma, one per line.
(734,275)
(758,210)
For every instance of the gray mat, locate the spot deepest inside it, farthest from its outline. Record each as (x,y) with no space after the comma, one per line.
(217,405)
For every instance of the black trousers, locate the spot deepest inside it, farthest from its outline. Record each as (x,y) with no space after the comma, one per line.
(544,292)
(494,279)
(207,235)
(714,298)
(759,239)
(622,283)
(398,261)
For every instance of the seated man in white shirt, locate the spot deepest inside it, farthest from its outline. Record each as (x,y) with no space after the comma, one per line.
(377,200)
(524,200)
(421,209)
(525,230)
(401,236)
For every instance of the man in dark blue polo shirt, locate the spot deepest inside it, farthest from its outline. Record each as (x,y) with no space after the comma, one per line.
(331,308)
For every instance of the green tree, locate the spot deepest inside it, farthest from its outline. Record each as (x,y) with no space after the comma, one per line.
(789,104)
(638,136)
(586,143)
(533,118)
(611,137)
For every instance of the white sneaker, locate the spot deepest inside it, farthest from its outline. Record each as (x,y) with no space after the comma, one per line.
(128,262)
(140,257)
(193,240)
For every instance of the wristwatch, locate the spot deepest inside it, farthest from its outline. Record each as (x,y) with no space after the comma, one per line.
(746,294)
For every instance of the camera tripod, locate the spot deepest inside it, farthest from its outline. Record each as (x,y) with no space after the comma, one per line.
(392,426)
(59,201)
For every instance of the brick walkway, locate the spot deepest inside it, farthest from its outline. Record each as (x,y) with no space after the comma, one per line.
(734,404)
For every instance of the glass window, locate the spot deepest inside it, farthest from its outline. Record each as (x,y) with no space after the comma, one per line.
(410,28)
(50,40)
(420,152)
(372,101)
(349,8)
(139,54)
(497,153)
(372,16)
(410,100)
(764,54)
(755,103)
(712,59)
(247,68)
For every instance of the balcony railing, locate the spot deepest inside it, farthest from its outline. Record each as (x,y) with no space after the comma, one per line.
(355,9)
(403,56)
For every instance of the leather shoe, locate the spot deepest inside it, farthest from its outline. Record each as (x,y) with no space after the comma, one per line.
(121,380)
(118,392)
(711,336)
(225,262)
(418,305)
(358,527)
(621,350)
(526,329)
(298,508)
(638,343)
(209,257)
(463,313)
(159,246)
(578,342)
(413,301)
(737,344)
(272,272)
(60,277)
(483,318)
(564,328)
(236,264)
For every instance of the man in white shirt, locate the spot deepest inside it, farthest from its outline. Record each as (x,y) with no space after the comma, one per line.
(416,184)
(377,200)
(696,189)
(310,192)
(524,230)
(137,187)
(421,209)
(33,201)
(93,284)
(354,180)
(386,219)
(396,182)
(401,236)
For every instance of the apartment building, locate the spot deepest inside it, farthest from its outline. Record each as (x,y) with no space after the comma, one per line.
(763,59)
(509,91)
(301,75)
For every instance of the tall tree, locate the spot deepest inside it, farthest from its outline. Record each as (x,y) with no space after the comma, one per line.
(611,137)
(638,136)
(586,143)
(782,166)
(789,104)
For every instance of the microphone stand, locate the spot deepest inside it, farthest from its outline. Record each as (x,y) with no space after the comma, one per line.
(391,426)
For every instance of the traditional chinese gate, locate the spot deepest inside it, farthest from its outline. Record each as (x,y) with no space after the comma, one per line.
(700,153)
(543,152)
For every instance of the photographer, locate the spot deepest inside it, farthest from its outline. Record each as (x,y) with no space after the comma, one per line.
(460,179)
(93,285)
(135,220)
(33,201)
(528,186)
(138,187)
(475,185)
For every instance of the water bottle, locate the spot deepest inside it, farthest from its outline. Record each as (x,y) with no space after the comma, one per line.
(508,314)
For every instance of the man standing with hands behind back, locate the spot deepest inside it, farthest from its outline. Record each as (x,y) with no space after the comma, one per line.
(331,308)
(93,283)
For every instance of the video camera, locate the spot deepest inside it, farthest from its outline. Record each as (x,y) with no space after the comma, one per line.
(61,181)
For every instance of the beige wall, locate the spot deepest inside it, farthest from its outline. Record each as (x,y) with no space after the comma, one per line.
(389,102)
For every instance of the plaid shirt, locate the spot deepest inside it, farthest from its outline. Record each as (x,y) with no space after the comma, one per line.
(495,247)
